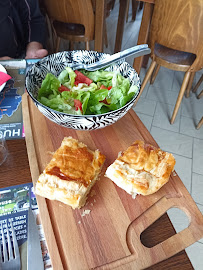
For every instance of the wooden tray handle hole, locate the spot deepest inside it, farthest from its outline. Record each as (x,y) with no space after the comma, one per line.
(176,216)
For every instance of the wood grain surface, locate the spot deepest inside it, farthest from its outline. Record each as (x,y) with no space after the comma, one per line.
(15,171)
(108,237)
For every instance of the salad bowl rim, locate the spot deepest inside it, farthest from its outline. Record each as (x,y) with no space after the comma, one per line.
(130,102)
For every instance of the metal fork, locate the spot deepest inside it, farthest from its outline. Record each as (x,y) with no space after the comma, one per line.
(137,50)
(11,256)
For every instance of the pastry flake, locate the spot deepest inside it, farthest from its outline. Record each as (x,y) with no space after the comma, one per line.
(71,173)
(141,169)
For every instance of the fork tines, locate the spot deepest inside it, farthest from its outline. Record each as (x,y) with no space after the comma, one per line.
(12,253)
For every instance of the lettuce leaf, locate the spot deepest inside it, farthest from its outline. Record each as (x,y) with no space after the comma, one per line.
(67,77)
(49,86)
(94,99)
(102,76)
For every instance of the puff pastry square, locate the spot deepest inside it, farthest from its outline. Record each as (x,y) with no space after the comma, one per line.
(71,173)
(141,169)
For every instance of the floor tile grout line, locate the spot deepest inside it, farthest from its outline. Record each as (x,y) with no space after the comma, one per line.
(200,174)
(195,137)
(199,203)
(193,118)
(169,130)
(154,111)
(127,41)
(143,114)
(180,120)
(191,185)
(173,79)
(178,133)
(160,100)
(159,87)
(181,107)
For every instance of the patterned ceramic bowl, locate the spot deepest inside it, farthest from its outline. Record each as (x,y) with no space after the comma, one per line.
(55,64)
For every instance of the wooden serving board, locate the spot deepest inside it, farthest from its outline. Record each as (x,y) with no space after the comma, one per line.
(109,236)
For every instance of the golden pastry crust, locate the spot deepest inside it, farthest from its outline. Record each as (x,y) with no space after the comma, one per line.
(141,169)
(71,173)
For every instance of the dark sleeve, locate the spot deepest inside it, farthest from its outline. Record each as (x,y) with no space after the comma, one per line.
(32,20)
(37,23)
(8,43)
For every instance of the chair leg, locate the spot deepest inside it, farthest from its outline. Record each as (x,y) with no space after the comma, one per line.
(154,74)
(87,45)
(146,79)
(71,45)
(200,95)
(113,4)
(180,96)
(105,35)
(134,9)
(127,10)
(198,84)
(187,93)
(200,123)
(58,40)
(141,5)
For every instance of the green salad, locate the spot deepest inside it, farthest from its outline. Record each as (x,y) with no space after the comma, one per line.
(85,93)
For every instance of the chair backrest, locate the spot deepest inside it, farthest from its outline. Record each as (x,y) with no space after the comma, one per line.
(178,24)
(72,11)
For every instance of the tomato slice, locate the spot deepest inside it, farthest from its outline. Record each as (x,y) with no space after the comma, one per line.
(104,87)
(63,88)
(104,101)
(78,104)
(81,78)
(77,82)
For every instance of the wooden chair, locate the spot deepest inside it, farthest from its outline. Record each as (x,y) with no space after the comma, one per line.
(176,41)
(72,20)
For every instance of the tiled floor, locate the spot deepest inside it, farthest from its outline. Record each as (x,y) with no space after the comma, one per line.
(155,108)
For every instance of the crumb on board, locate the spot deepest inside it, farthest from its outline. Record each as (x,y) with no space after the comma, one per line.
(50,153)
(134,196)
(85,212)
(94,200)
(91,204)
(79,222)
(93,193)
(174,173)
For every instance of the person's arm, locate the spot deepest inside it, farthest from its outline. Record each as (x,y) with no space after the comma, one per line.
(35,50)
(5,58)
(34,28)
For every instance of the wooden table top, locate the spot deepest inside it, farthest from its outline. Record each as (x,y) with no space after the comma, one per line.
(15,170)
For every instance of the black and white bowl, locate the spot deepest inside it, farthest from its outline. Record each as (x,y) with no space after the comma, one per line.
(55,63)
